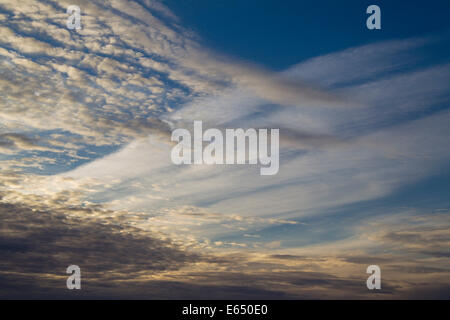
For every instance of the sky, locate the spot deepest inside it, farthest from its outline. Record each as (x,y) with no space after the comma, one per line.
(86,176)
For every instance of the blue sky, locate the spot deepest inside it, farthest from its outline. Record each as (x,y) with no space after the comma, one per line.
(86,177)
(278,35)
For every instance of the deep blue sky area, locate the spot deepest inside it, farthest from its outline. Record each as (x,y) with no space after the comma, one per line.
(278,34)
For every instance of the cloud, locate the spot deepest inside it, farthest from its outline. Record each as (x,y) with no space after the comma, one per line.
(122,261)
(109,83)
(360,64)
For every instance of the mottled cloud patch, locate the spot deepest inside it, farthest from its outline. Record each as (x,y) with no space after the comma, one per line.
(119,260)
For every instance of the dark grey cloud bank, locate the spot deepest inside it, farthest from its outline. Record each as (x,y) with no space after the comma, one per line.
(120,261)
(37,246)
